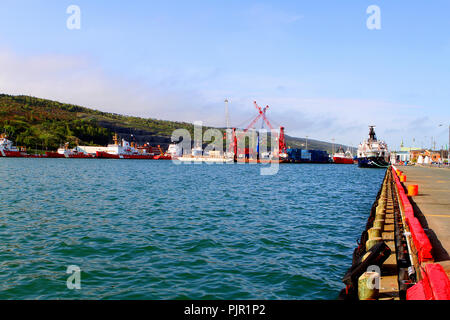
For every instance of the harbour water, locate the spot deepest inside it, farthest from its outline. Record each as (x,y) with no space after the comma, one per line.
(154,230)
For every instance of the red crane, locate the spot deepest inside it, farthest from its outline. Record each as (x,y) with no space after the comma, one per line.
(261,114)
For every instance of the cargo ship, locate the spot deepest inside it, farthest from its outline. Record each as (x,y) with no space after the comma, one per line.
(373,153)
(341,157)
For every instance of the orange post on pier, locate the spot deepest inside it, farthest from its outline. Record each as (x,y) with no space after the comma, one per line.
(413,190)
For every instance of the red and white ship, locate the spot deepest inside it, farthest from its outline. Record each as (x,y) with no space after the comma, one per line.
(7,149)
(125,150)
(65,152)
(342,157)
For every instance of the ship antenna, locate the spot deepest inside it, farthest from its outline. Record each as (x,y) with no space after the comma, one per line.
(372,136)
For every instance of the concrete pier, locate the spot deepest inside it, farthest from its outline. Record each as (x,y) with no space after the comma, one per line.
(412,260)
(432,207)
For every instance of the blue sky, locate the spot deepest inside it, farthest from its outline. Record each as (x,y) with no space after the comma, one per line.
(323,73)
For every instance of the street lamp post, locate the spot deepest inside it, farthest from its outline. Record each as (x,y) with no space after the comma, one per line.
(332,149)
(226,113)
(448,145)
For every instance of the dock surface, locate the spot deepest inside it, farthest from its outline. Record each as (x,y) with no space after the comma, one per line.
(432,207)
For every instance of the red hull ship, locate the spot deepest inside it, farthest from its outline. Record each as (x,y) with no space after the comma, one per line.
(7,149)
(107,155)
(13,154)
(340,160)
(125,150)
(65,152)
(162,155)
(341,157)
(52,154)
(80,156)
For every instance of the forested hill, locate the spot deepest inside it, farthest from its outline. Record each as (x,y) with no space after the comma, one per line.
(45,124)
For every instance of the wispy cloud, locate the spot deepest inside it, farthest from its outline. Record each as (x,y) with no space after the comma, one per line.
(268,14)
(194,95)
(78,80)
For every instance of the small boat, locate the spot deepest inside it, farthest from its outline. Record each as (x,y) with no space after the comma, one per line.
(171,153)
(373,153)
(341,157)
(162,157)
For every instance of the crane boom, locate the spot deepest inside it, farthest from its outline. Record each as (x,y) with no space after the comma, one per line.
(262,112)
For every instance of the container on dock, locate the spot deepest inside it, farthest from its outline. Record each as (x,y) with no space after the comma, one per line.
(294,155)
(307,156)
(319,156)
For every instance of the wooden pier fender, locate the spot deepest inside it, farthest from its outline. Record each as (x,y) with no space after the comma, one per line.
(368,286)
(420,242)
(371,251)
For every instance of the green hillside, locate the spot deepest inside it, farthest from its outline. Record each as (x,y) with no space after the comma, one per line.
(41,124)
(44,124)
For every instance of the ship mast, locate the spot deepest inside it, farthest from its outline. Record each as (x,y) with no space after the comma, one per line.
(372,135)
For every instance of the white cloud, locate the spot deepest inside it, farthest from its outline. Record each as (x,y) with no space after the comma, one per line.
(192,96)
(323,118)
(78,81)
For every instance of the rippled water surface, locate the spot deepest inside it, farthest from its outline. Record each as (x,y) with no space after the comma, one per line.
(155,230)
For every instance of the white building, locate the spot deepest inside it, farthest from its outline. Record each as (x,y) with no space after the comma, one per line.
(400,156)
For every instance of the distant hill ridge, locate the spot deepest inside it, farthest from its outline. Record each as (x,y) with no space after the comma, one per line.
(44,124)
